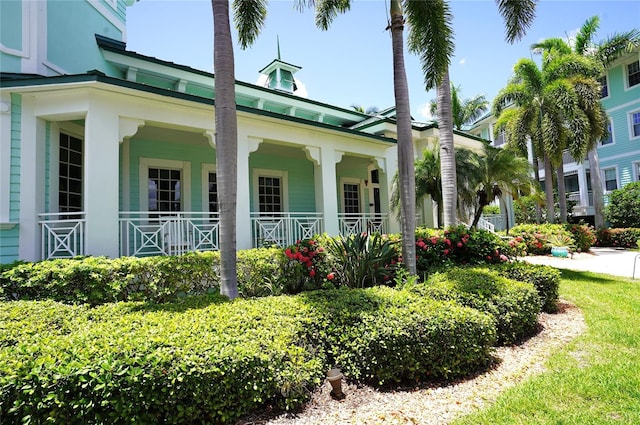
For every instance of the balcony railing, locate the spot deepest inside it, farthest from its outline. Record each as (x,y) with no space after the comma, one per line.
(282,229)
(350,224)
(167,233)
(62,234)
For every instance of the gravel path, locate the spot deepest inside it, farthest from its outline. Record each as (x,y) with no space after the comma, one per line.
(440,404)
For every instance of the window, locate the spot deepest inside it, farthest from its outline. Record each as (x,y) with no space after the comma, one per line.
(213,192)
(610,179)
(571,183)
(164,189)
(636,167)
(70,174)
(269,194)
(635,124)
(608,140)
(351,192)
(604,87)
(633,74)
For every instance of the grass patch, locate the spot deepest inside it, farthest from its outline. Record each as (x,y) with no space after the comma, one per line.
(594,379)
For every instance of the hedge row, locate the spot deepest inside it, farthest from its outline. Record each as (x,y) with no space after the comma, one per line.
(513,305)
(619,238)
(207,360)
(545,279)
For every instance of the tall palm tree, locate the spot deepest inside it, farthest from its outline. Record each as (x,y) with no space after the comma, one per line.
(432,19)
(546,111)
(463,111)
(500,171)
(604,52)
(249,19)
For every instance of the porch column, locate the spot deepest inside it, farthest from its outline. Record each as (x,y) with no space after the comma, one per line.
(246,145)
(101,180)
(392,169)
(326,186)
(32,180)
(583,186)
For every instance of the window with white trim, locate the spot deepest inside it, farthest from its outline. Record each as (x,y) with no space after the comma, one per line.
(636,168)
(270,191)
(604,87)
(610,179)
(351,197)
(608,140)
(165,185)
(635,124)
(633,74)
(70,174)
(212,191)
(165,189)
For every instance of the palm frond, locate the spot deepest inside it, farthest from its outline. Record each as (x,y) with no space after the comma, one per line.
(249,17)
(584,38)
(327,10)
(430,37)
(518,16)
(617,45)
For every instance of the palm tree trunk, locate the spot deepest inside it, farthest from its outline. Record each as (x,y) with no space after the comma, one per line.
(226,144)
(548,188)
(562,193)
(406,170)
(447,153)
(536,174)
(596,188)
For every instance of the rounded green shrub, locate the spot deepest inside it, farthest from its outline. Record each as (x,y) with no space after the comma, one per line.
(623,209)
(546,280)
(514,305)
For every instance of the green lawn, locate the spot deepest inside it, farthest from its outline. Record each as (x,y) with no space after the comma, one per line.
(593,380)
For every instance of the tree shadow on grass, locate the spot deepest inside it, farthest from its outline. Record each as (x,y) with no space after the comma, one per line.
(592,277)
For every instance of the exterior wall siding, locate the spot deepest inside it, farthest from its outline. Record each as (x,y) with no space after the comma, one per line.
(79,21)
(10,237)
(11,35)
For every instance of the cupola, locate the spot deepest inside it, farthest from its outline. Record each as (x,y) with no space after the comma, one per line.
(280,74)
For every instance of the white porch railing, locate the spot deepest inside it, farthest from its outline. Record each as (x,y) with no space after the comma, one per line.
(62,234)
(284,229)
(486,225)
(498,221)
(351,224)
(167,233)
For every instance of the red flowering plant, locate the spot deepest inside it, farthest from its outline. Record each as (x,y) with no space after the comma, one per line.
(305,266)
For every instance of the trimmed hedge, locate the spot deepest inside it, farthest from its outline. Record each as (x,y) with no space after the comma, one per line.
(200,361)
(536,236)
(546,280)
(618,238)
(99,280)
(208,360)
(514,305)
(382,335)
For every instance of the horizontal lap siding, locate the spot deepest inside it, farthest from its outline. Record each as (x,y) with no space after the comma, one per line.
(10,237)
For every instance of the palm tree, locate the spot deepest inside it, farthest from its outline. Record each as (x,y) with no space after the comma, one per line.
(604,53)
(249,19)
(431,20)
(501,171)
(547,112)
(463,111)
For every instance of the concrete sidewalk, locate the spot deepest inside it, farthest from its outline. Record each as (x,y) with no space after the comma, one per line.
(613,261)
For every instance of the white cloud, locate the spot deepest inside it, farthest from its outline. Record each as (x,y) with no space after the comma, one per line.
(262,80)
(424,113)
(462,61)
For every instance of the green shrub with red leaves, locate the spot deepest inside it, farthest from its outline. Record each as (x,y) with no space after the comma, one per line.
(305,267)
(618,238)
(583,235)
(437,248)
(536,236)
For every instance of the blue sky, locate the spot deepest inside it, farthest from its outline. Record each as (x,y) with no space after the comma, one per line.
(351,62)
